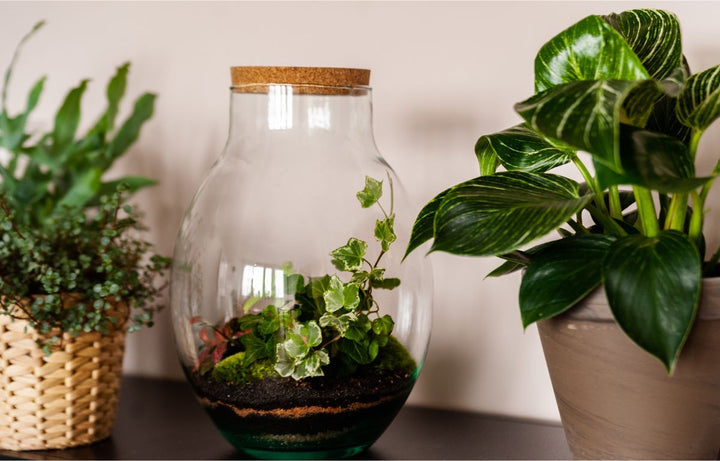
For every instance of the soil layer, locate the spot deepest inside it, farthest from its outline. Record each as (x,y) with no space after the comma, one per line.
(322,413)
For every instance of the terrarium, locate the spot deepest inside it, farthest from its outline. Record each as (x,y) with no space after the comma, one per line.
(298,323)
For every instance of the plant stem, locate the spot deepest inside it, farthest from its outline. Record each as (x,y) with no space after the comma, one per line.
(592,184)
(646,211)
(677,211)
(615,205)
(696,220)
(577,227)
(606,221)
(694,142)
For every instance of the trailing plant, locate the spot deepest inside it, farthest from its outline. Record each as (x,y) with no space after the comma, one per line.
(618,88)
(327,320)
(68,248)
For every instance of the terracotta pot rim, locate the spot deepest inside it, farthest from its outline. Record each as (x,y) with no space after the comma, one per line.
(595,307)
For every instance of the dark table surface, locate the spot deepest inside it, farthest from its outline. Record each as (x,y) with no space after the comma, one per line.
(160,419)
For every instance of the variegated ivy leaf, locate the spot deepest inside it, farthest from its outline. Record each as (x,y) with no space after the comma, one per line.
(311,365)
(497,214)
(586,115)
(588,50)
(284,363)
(371,193)
(302,338)
(699,103)
(341,295)
(384,232)
(519,148)
(349,257)
(340,323)
(654,36)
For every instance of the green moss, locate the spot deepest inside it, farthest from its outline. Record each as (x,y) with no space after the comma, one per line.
(231,370)
(393,357)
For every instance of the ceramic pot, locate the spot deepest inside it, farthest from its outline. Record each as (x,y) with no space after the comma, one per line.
(618,402)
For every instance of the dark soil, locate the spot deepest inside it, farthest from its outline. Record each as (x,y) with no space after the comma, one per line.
(286,393)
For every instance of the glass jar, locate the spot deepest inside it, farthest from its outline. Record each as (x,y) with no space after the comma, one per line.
(298,324)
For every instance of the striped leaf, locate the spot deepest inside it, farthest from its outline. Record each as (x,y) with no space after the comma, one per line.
(585,115)
(654,36)
(496,214)
(424,227)
(520,149)
(588,50)
(561,274)
(699,103)
(653,287)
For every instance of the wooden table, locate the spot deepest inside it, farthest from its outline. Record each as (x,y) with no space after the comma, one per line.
(160,419)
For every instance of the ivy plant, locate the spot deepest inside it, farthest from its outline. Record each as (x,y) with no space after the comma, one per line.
(328,320)
(618,88)
(69,244)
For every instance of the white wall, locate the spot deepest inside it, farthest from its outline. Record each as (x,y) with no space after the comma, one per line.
(443,74)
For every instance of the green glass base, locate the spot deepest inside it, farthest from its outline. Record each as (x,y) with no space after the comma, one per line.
(319,454)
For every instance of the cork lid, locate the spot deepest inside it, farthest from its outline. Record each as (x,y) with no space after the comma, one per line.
(260,76)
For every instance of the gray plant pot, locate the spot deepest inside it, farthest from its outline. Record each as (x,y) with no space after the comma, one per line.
(617,402)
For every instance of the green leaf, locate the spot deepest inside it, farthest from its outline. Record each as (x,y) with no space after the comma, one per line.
(349,257)
(486,156)
(67,119)
(654,36)
(284,363)
(586,115)
(12,131)
(82,190)
(115,92)
(699,102)
(385,284)
(653,287)
(130,129)
(311,365)
(521,149)
(588,50)
(341,323)
(424,227)
(497,214)
(255,349)
(383,325)
(371,193)
(358,352)
(561,274)
(516,260)
(655,161)
(358,328)
(384,232)
(341,295)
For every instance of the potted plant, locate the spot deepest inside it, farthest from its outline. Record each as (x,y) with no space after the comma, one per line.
(319,374)
(618,88)
(74,276)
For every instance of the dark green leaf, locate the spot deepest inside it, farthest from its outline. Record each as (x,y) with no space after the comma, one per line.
(349,257)
(386,284)
(12,131)
(588,50)
(586,115)
(560,275)
(424,227)
(356,351)
(654,36)
(133,183)
(521,149)
(517,259)
(255,349)
(371,193)
(497,214)
(130,129)
(699,103)
(653,286)
(67,119)
(657,161)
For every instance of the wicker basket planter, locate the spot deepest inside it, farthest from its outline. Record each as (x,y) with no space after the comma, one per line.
(66,399)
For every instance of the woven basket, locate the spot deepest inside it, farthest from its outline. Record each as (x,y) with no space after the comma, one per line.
(66,399)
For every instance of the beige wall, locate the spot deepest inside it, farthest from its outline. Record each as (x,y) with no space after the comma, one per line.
(443,74)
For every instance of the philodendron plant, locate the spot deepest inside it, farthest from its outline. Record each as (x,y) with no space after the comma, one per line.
(618,88)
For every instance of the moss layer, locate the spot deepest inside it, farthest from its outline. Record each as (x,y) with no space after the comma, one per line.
(232,370)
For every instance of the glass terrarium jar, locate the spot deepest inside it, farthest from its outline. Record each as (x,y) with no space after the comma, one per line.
(298,324)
